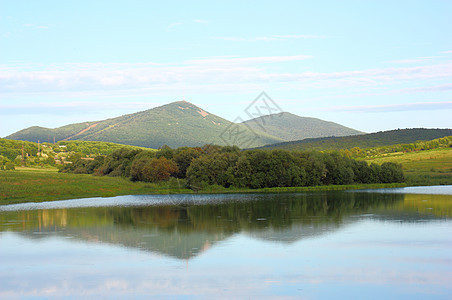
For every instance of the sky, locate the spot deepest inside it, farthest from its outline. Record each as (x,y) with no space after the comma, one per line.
(368,65)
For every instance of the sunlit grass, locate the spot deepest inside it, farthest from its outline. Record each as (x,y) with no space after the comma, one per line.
(29,185)
(431,167)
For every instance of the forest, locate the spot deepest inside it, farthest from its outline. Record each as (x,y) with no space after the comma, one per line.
(227,166)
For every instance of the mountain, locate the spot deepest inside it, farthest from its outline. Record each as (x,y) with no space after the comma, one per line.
(291,127)
(176,124)
(378,139)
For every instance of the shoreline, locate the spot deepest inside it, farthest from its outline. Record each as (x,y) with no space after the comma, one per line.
(41,186)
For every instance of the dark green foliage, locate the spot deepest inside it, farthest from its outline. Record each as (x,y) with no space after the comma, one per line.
(224,167)
(183,159)
(215,168)
(119,163)
(279,168)
(391,172)
(138,164)
(379,139)
(165,151)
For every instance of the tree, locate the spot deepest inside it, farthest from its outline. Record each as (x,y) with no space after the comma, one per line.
(391,172)
(136,170)
(216,168)
(159,169)
(183,159)
(165,151)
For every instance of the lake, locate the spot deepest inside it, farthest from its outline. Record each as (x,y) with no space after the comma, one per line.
(372,244)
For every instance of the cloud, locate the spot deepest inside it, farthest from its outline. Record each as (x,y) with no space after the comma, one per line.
(447,52)
(173,25)
(423,106)
(300,36)
(201,75)
(241,39)
(436,88)
(269,38)
(33,26)
(200,21)
(413,60)
(248,60)
(69,108)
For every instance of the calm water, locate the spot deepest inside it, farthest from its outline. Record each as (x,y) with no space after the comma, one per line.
(361,245)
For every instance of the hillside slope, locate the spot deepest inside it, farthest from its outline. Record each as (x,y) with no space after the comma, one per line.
(291,127)
(378,139)
(176,124)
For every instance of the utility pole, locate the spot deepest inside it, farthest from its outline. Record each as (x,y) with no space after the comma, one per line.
(23,156)
(54,139)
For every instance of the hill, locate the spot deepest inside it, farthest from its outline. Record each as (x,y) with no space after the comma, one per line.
(291,127)
(46,154)
(378,139)
(176,124)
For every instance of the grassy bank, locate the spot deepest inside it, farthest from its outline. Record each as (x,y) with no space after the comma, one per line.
(430,167)
(37,185)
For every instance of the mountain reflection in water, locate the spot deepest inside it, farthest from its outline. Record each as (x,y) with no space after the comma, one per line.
(187,229)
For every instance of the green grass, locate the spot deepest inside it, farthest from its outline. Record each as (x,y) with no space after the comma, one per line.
(37,185)
(32,185)
(431,167)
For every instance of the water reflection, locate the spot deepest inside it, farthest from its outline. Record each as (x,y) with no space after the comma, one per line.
(184,231)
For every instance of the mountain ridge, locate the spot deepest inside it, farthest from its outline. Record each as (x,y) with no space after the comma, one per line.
(291,127)
(176,124)
(375,139)
(182,123)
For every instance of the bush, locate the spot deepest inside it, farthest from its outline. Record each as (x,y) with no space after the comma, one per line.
(10,166)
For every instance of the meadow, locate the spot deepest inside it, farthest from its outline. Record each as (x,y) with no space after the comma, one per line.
(38,185)
(430,167)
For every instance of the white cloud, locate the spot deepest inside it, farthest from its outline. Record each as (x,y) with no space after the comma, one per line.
(300,36)
(242,39)
(413,60)
(173,25)
(34,26)
(248,60)
(436,88)
(69,108)
(200,21)
(269,38)
(201,75)
(422,106)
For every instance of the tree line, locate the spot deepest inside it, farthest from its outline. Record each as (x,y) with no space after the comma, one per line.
(230,167)
(444,142)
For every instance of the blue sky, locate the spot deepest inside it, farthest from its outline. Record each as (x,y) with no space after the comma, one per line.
(369,65)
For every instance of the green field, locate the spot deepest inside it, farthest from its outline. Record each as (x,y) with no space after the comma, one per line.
(35,185)
(431,167)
